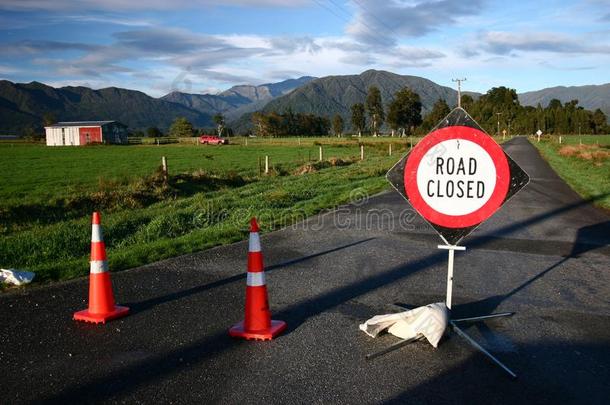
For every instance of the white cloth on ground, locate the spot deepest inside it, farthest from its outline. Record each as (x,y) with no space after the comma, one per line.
(429,321)
(16,277)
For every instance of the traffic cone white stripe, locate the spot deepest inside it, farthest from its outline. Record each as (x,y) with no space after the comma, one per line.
(255,279)
(254,244)
(96,233)
(98,266)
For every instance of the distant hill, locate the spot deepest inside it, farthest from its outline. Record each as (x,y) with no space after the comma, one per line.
(23,105)
(237,100)
(332,95)
(266,91)
(336,94)
(590,97)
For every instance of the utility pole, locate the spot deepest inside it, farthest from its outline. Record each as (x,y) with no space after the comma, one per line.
(459,82)
(498,114)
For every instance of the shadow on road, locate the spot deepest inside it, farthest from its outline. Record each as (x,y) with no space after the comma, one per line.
(130,377)
(147,304)
(560,372)
(598,232)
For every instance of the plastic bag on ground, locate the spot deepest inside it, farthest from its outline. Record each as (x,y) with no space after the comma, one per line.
(429,321)
(16,277)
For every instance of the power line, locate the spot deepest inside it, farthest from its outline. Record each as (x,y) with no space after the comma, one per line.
(380,21)
(368,32)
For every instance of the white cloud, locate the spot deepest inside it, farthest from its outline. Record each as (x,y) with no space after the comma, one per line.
(145,5)
(381,23)
(7,70)
(35,47)
(503,43)
(104,19)
(168,59)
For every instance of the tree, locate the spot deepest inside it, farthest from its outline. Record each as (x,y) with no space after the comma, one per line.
(48,119)
(440,109)
(181,128)
(337,125)
(405,110)
(467,101)
(219,120)
(554,104)
(599,120)
(289,124)
(258,120)
(154,132)
(358,118)
(31,133)
(374,107)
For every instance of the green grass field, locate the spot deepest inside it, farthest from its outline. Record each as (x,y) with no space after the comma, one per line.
(48,194)
(576,139)
(585,168)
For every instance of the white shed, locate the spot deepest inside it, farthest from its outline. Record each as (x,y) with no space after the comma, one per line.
(85,132)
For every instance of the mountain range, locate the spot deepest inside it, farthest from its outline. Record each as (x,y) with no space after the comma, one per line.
(336,94)
(25,104)
(238,100)
(590,97)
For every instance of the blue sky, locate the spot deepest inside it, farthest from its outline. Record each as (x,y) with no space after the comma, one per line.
(205,46)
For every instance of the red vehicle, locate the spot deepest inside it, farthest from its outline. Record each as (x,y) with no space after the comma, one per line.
(212,140)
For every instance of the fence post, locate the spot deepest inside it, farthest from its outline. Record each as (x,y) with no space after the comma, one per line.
(164,166)
(361,152)
(266,164)
(390,150)
(560,139)
(320,153)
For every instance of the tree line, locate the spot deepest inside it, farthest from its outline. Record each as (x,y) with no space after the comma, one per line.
(183,128)
(496,111)
(403,114)
(499,109)
(289,124)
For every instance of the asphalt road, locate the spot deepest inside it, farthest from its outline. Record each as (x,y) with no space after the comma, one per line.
(545,255)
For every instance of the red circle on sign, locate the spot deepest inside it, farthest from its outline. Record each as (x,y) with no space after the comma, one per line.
(470,134)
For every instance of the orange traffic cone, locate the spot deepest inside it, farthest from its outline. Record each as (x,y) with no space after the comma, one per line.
(257,323)
(101,299)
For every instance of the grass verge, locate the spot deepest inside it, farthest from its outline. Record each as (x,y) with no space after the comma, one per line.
(586,167)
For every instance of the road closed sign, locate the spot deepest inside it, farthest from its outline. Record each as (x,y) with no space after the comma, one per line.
(457,176)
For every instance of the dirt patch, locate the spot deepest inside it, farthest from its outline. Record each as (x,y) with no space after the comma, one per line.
(585,152)
(314,167)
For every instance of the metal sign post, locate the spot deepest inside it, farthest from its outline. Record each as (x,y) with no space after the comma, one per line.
(456,178)
(451,249)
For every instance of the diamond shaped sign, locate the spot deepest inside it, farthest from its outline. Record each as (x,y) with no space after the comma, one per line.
(457,176)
